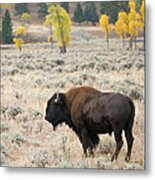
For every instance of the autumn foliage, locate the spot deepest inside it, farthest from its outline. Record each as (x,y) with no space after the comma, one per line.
(106,27)
(26,18)
(121,26)
(18,42)
(131,24)
(60,20)
(20,32)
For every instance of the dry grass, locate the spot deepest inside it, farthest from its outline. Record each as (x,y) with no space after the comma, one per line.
(29,78)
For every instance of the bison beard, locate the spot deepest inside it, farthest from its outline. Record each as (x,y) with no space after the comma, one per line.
(90,112)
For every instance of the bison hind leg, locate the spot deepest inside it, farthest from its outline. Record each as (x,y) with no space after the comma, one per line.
(129,139)
(119,143)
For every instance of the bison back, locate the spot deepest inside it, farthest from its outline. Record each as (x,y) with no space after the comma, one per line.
(109,108)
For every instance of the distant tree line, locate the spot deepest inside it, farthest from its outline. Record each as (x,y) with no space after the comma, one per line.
(21,8)
(88,13)
(84,11)
(125,18)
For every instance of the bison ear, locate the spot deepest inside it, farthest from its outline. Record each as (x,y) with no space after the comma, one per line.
(62,97)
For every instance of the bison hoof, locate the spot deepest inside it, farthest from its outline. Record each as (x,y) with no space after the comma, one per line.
(85,155)
(91,153)
(127,158)
(114,157)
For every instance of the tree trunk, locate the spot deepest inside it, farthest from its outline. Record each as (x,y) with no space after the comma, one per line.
(20,48)
(130,42)
(135,42)
(63,48)
(123,43)
(51,39)
(94,23)
(144,39)
(107,39)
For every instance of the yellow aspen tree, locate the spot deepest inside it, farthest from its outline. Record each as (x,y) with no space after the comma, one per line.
(62,25)
(142,14)
(106,27)
(134,23)
(20,32)
(121,26)
(26,18)
(18,42)
(132,4)
(142,11)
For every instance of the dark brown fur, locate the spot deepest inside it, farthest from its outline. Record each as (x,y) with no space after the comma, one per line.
(90,112)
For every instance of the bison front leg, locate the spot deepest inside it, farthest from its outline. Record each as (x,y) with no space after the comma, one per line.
(85,141)
(119,143)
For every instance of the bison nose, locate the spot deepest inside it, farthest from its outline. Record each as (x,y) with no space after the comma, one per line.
(45,117)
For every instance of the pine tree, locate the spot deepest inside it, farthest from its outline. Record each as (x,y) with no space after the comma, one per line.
(90,13)
(65,5)
(21,8)
(7,28)
(42,10)
(112,8)
(78,14)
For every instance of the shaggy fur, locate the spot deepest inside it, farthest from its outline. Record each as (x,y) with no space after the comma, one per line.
(90,112)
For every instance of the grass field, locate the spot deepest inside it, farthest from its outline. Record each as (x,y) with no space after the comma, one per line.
(28,80)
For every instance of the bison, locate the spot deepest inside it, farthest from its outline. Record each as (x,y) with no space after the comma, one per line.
(90,112)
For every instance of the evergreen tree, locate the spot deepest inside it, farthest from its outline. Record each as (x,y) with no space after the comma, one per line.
(90,12)
(7,28)
(78,14)
(21,8)
(42,10)
(112,8)
(65,5)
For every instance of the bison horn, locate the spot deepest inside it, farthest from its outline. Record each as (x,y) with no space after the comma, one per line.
(57,97)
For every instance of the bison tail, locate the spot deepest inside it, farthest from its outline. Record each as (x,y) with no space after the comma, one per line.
(132,115)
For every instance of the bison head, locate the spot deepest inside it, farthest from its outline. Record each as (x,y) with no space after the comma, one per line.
(56,110)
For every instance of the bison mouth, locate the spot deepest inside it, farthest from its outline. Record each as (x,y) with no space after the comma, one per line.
(54,125)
